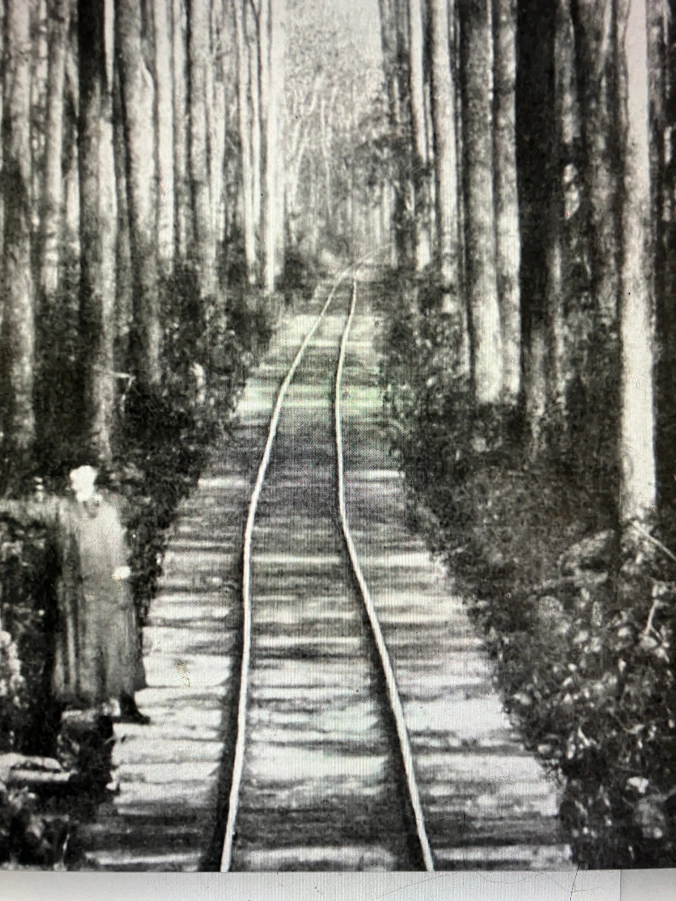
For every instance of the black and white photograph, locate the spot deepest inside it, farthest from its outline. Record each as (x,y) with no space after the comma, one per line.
(338,438)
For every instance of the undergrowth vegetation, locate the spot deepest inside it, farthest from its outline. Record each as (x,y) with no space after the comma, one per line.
(580,629)
(162,443)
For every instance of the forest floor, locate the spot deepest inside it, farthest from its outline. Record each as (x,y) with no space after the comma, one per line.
(580,633)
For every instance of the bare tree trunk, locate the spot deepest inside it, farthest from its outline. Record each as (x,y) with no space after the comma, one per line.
(39,93)
(138,106)
(390,41)
(164,131)
(666,319)
(71,223)
(326,159)
(52,190)
(216,124)
(251,36)
(97,241)
(592,27)
(277,118)
(558,123)
(3,21)
(446,173)
(636,436)
(508,239)
(537,148)
(180,134)
(476,62)
(124,282)
(18,323)
(243,91)
(267,147)
(419,129)
(203,252)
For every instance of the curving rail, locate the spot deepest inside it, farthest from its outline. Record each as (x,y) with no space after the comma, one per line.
(240,740)
(390,682)
(383,654)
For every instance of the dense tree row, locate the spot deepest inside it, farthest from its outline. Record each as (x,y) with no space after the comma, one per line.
(139,140)
(520,152)
(536,155)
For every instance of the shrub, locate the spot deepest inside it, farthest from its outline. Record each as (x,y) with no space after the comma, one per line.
(581,631)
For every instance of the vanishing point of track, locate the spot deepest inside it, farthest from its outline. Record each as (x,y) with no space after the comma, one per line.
(403,782)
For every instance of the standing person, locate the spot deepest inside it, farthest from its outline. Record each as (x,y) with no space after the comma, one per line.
(97,642)
(98,649)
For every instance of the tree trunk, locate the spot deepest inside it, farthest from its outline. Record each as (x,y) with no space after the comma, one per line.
(137,107)
(52,190)
(636,435)
(217,126)
(536,148)
(71,223)
(592,28)
(419,135)
(180,137)
(18,325)
(164,131)
(558,124)
(244,111)
(277,118)
(251,35)
(203,250)
(267,146)
(39,93)
(3,21)
(446,174)
(476,62)
(97,231)
(391,66)
(124,282)
(508,239)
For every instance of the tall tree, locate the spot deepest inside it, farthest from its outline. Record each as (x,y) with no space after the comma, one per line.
(446,171)
(52,190)
(244,117)
(18,322)
(595,72)
(419,134)
(97,226)
(180,134)
(390,34)
(163,127)
(278,27)
(636,434)
(477,80)
(124,281)
(265,25)
(536,148)
(138,114)
(251,35)
(562,52)
(203,243)
(508,244)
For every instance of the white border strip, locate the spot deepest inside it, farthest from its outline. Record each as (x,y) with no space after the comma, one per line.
(390,681)
(240,741)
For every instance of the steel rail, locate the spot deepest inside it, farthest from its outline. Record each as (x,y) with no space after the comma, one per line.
(386,664)
(240,739)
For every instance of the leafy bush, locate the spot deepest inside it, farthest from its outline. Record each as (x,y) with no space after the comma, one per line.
(12,691)
(29,719)
(581,630)
(208,350)
(426,398)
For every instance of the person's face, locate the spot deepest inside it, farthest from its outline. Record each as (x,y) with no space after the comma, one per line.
(82,481)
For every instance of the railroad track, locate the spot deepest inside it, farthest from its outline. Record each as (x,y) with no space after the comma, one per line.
(323,774)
